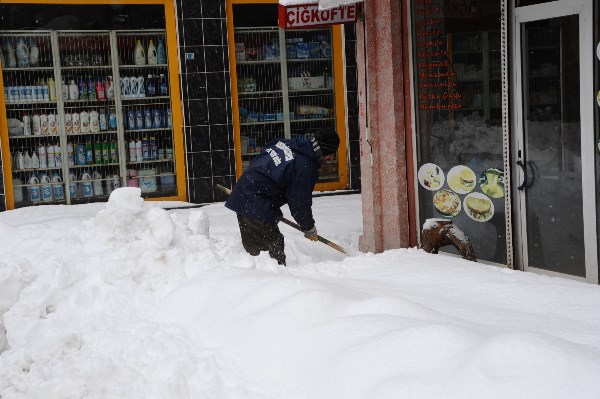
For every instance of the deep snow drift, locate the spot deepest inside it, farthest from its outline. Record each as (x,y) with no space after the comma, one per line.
(128,300)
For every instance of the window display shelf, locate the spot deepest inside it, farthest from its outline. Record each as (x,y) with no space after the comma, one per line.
(31,136)
(92,133)
(9,103)
(312,119)
(147,130)
(308,59)
(93,165)
(258,62)
(149,161)
(28,69)
(259,123)
(85,67)
(154,98)
(147,66)
(260,93)
(37,169)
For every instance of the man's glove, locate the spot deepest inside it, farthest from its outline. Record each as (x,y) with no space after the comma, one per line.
(312,234)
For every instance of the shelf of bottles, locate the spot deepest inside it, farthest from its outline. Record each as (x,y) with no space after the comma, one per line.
(88,112)
(32,114)
(285,87)
(146,112)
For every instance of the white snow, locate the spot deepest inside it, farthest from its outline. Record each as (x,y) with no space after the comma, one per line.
(127,300)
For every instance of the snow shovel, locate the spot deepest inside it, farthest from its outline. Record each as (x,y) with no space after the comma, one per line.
(294,225)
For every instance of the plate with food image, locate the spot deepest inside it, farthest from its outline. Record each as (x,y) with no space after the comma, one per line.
(431,176)
(491,182)
(461,179)
(479,207)
(447,202)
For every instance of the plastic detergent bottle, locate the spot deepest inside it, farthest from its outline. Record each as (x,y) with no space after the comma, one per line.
(89,153)
(139,54)
(70,154)
(72,186)
(34,190)
(94,121)
(76,123)
(44,123)
(92,94)
(103,120)
(97,176)
(152,60)
(65,91)
(100,91)
(139,156)
(22,53)
(26,124)
(46,188)
(35,161)
(11,58)
(110,90)
(57,155)
(57,188)
(37,124)
(68,123)
(52,128)
(73,90)
(132,153)
(26,160)
(52,89)
(50,156)
(19,161)
(84,117)
(42,156)
(34,53)
(161,57)
(86,184)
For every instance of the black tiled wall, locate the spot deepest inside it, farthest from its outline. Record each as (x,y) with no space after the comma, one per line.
(207,101)
(206,98)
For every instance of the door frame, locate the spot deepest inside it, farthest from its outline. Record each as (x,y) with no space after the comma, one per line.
(555,9)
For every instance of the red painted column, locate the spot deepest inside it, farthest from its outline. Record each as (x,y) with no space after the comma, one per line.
(385,137)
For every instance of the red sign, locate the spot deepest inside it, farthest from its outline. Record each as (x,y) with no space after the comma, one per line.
(309,16)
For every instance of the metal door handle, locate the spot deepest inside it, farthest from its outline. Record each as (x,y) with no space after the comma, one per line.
(524,184)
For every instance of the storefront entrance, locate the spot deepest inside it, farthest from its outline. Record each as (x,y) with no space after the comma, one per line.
(553,139)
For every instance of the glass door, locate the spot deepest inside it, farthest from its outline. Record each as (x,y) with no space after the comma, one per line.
(554,144)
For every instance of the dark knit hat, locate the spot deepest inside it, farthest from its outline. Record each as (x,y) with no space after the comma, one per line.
(328,140)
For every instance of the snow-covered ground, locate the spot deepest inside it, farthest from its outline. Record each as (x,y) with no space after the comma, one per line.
(128,300)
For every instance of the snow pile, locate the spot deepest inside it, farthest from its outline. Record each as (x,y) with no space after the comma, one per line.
(127,300)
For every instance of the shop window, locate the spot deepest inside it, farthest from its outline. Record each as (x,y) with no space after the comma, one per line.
(457,74)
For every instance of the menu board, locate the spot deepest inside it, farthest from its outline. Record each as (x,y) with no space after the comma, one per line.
(436,79)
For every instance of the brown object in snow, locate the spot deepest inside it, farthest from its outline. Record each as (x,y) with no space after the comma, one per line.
(440,232)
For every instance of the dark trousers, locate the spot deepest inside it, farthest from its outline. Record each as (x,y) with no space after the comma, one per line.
(258,235)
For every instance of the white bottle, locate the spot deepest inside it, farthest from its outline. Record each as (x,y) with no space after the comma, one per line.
(110,90)
(116,181)
(57,155)
(44,123)
(76,123)
(68,123)
(26,125)
(94,121)
(139,54)
(73,91)
(85,121)
(132,151)
(65,91)
(52,89)
(34,54)
(138,151)
(51,156)
(70,154)
(57,188)
(43,160)
(52,129)
(97,176)
(19,161)
(35,161)
(37,125)
(46,188)
(87,189)
(34,189)
(152,60)
(11,57)
(27,161)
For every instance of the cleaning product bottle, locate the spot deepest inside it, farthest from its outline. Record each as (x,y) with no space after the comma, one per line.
(112,119)
(51,89)
(46,188)
(52,128)
(84,116)
(92,95)
(132,153)
(139,54)
(50,156)
(19,161)
(34,189)
(86,184)
(34,53)
(70,154)
(150,86)
(44,123)
(97,177)
(94,121)
(100,92)
(162,85)
(65,90)
(80,154)
(161,57)
(11,58)
(57,155)
(114,157)
(72,186)
(141,88)
(103,121)
(26,124)
(68,123)
(98,152)
(35,160)
(138,151)
(27,161)
(37,124)
(83,93)
(73,90)
(76,123)
(116,181)
(152,60)
(110,90)
(57,188)
(89,153)
(22,53)
(42,156)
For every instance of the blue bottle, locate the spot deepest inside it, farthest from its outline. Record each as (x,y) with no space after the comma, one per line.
(161,57)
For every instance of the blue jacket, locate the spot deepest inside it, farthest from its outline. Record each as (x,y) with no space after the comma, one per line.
(285,172)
